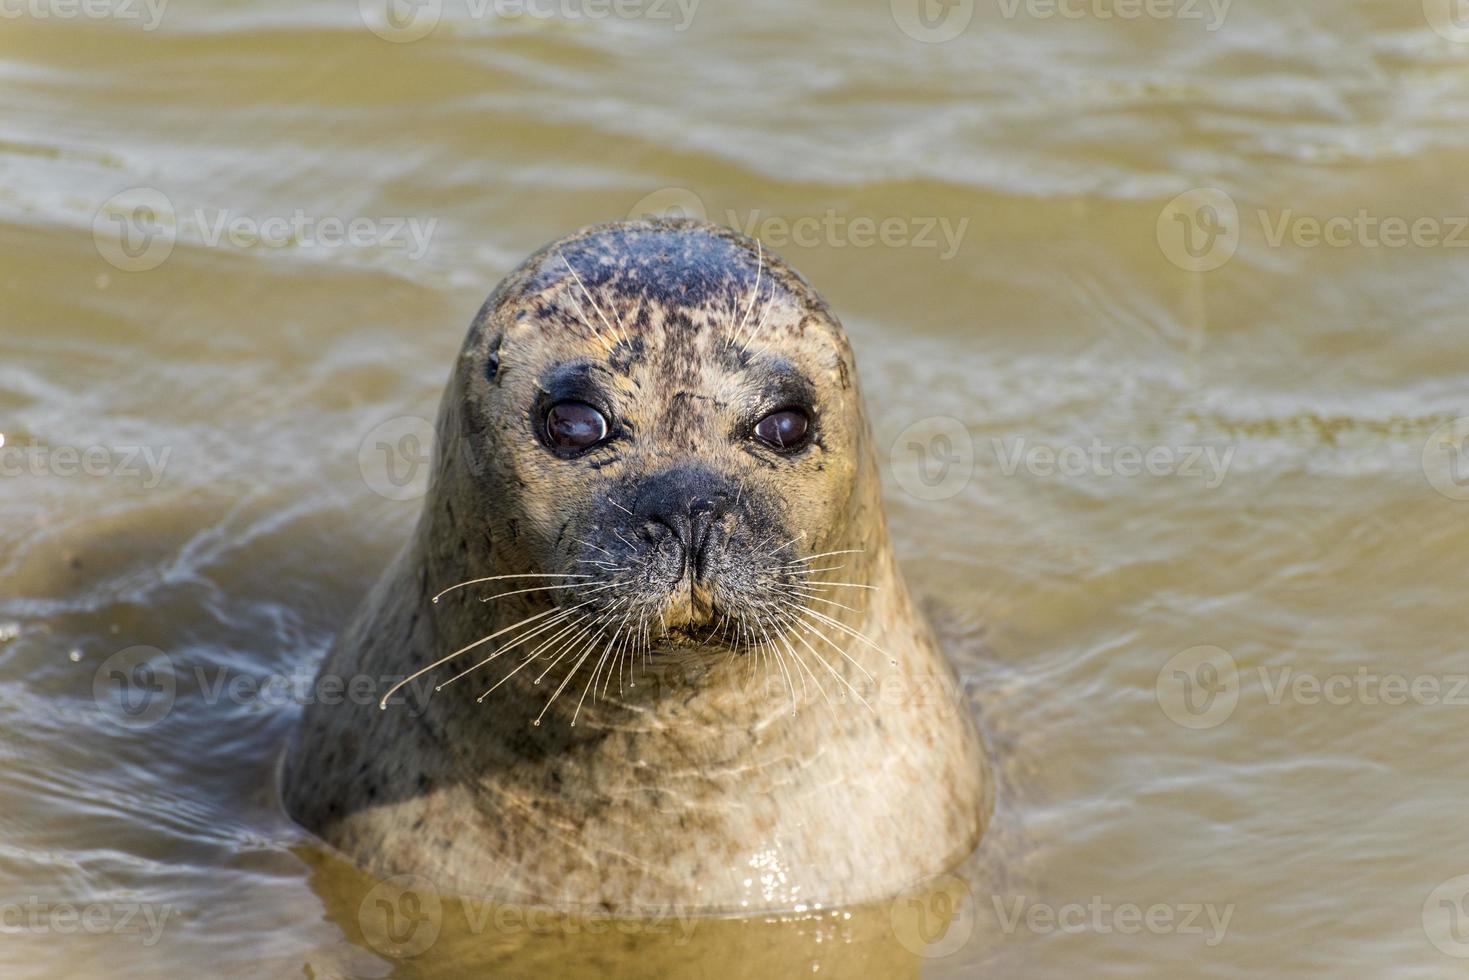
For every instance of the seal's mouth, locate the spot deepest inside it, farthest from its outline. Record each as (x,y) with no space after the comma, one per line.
(691,604)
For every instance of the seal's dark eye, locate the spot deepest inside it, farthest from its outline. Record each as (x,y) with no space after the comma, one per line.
(575,426)
(785,429)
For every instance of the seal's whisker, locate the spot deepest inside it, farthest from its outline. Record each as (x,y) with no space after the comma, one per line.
(808,597)
(497,578)
(524,664)
(530,635)
(829,554)
(848,585)
(584,635)
(796,658)
(758,649)
(754,291)
(587,293)
(637,651)
(601,661)
(592,588)
(795,620)
(640,649)
(778,548)
(620,507)
(760,324)
(582,316)
(801,664)
(714,628)
(625,651)
(542,588)
(383,704)
(617,658)
(540,630)
(740,491)
(857,635)
(594,547)
(585,651)
(780,660)
(808,627)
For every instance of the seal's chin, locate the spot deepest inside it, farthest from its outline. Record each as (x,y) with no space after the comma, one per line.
(689,637)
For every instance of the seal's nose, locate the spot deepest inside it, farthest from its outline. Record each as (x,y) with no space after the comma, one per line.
(689,525)
(683,509)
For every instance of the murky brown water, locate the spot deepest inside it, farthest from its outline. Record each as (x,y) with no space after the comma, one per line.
(1182,480)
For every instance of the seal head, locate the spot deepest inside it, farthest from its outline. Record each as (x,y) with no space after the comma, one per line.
(660,409)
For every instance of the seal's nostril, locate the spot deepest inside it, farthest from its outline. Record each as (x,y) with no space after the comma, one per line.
(702,506)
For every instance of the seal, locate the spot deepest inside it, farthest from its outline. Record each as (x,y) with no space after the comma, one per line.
(648,646)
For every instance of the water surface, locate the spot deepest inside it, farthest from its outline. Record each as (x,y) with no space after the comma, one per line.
(1302,515)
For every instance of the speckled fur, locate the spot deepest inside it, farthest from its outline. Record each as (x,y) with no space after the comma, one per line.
(699,788)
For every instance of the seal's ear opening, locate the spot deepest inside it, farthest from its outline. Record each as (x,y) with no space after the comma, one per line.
(492,360)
